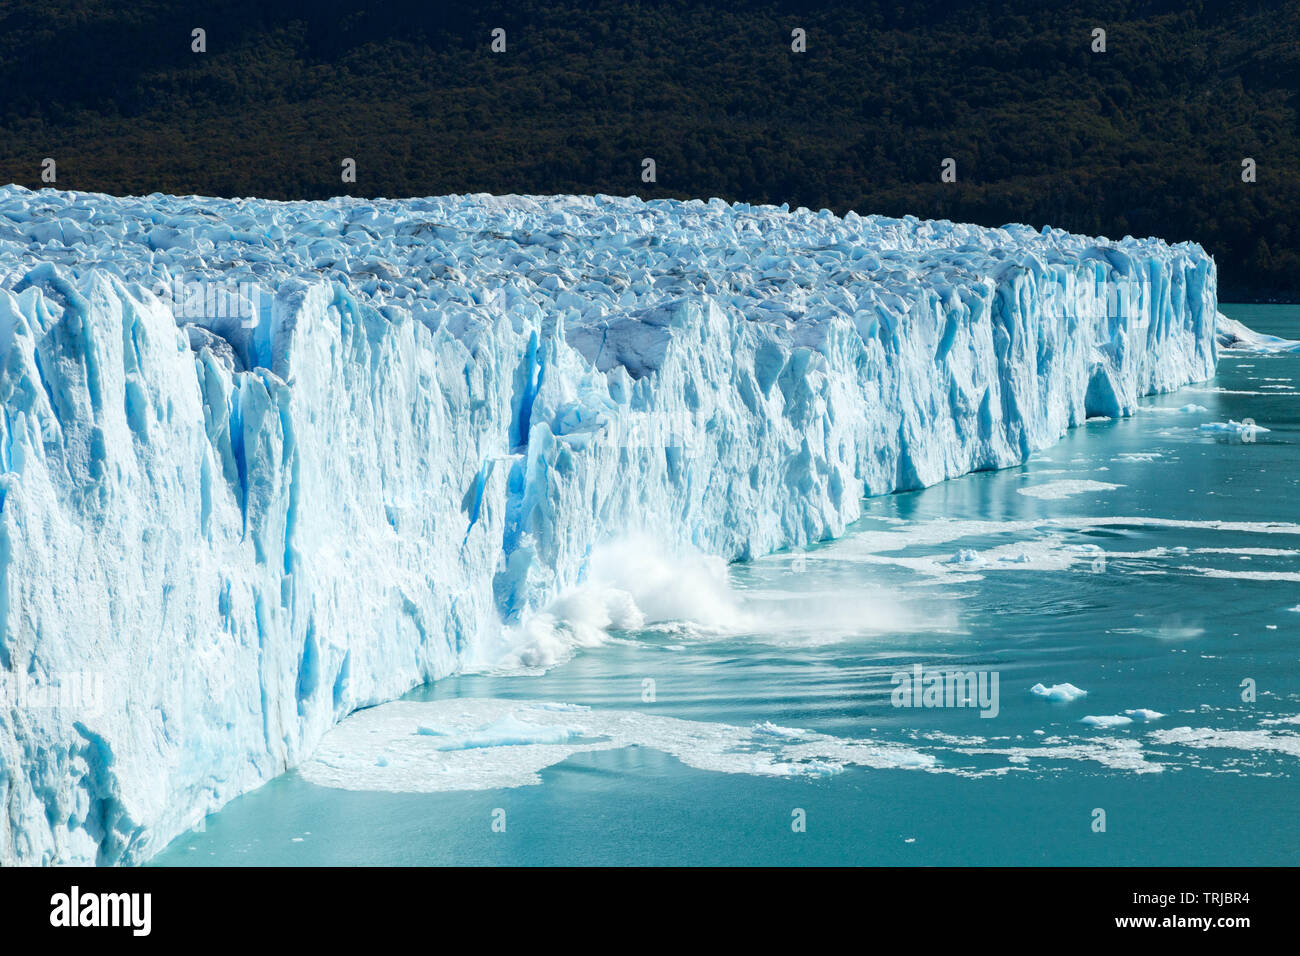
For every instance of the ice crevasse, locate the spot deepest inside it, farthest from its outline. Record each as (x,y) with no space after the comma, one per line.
(413,422)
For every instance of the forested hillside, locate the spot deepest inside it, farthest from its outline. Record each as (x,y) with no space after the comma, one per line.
(1147,138)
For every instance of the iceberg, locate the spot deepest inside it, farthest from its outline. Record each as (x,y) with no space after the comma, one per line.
(1065,488)
(1063,693)
(1240,431)
(263,464)
(1111,721)
(1233,335)
(1108,722)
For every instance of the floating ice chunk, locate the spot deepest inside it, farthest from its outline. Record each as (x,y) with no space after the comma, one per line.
(1137,456)
(1144,715)
(822,768)
(565,708)
(769,729)
(1276,721)
(1107,722)
(504,743)
(1059,692)
(1232,334)
(509,731)
(1116,753)
(1240,431)
(1251,740)
(1064,488)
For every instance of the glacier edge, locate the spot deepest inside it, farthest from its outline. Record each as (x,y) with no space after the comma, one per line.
(250,529)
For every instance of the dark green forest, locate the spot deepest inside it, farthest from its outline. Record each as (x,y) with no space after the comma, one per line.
(1147,138)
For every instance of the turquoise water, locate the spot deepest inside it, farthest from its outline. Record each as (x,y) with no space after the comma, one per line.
(1124,586)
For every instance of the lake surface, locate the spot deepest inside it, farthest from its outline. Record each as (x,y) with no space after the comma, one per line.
(1150,562)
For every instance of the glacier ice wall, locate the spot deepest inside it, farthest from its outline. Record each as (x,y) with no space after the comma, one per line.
(236,519)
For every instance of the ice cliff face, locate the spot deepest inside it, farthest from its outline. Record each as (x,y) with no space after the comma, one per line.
(265,463)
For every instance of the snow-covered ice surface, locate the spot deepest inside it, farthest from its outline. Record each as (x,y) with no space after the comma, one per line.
(267,463)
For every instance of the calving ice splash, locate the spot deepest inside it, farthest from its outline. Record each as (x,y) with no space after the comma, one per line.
(419,439)
(631,583)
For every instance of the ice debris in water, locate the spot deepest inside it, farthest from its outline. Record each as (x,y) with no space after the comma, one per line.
(1058,692)
(1141,715)
(1240,431)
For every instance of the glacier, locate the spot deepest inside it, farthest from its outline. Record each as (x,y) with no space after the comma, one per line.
(263,464)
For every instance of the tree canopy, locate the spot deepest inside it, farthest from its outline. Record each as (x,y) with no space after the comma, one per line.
(1147,138)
